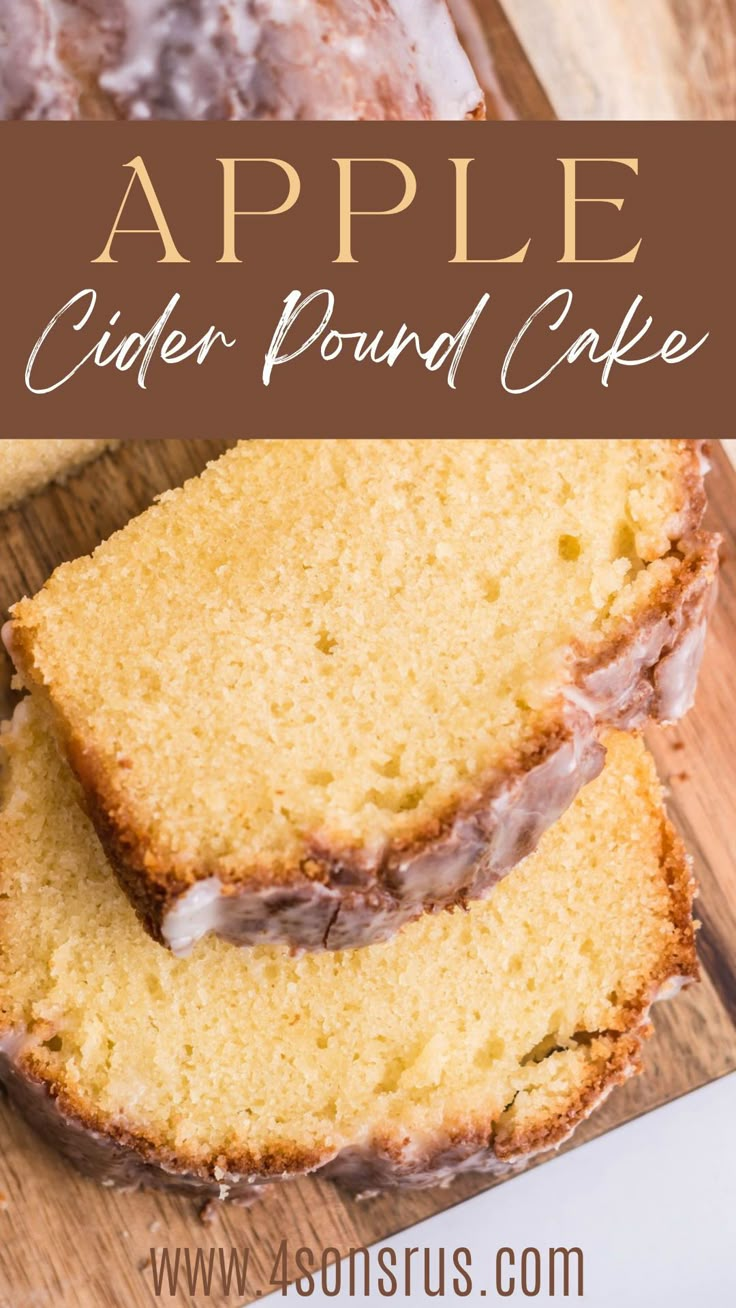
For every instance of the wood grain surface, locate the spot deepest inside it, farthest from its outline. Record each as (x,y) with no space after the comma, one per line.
(619,59)
(65,1243)
(510,83)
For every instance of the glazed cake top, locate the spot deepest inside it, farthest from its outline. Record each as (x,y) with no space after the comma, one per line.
(234,59)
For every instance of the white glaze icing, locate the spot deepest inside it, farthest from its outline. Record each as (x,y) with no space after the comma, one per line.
(440,60)
(33,83)
(239,59)
(675,688)
(196,913)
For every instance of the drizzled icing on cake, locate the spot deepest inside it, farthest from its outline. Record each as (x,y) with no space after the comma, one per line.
(179,58)
(234,59)
(33,83)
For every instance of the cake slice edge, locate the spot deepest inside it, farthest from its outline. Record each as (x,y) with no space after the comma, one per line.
(575,1078)
(334,897)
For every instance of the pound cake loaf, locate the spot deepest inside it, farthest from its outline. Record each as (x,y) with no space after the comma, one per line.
(233,59)
(27,465)
(329,684)
(468,1042)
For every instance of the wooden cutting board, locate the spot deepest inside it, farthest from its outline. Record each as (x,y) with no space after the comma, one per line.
(65,1243)
(601,59)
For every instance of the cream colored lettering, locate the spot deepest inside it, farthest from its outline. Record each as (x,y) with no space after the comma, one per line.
(571,202)
(461,221)
(346,211)
(161,228)
(230,213)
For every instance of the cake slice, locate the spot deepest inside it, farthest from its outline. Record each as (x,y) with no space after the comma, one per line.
(27,465)
(234,59)
(469,1041)
(329,684)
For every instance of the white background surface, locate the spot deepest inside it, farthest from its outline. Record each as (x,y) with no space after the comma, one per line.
(652,1205)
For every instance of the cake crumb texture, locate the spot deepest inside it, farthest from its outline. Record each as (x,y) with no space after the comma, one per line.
(330,644)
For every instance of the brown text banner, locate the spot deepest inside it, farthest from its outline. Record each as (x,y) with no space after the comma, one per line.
(330,279)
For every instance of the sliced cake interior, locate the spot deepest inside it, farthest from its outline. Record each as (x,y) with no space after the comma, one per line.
(318,650)
(489,1032)
(27,465)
